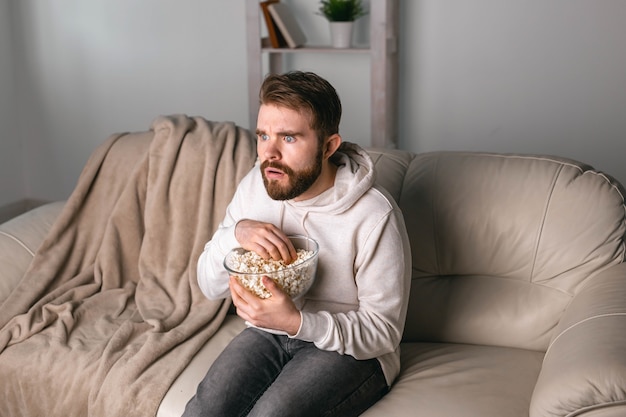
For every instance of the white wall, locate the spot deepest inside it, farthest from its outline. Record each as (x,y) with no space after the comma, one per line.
(526,76)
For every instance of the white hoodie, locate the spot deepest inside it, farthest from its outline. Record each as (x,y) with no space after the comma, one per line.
(358,302)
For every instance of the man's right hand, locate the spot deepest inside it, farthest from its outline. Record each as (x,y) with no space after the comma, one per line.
(267,240)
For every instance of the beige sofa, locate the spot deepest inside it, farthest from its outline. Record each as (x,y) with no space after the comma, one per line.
(518,299)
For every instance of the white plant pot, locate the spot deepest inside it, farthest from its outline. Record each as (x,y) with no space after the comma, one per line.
(341,34)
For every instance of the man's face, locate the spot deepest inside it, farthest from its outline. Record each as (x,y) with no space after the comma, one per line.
(289,151)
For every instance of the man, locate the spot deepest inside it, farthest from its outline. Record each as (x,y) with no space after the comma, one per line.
(335,351)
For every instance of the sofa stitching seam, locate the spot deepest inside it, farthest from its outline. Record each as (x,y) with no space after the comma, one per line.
(598,316)
(543,223)
(594,407)
(19,242)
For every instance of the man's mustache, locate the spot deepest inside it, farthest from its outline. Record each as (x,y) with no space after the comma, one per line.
(277,165)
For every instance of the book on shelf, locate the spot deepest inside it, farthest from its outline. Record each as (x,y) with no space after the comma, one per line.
(276,38)
(287,24)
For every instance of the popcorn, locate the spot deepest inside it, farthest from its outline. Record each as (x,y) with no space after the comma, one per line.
(294,278)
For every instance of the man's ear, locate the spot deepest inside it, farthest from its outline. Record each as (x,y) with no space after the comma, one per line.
(332,144)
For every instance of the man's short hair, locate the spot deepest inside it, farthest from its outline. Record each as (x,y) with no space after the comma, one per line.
(305,92)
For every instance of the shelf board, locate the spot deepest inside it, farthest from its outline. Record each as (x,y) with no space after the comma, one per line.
(318,49)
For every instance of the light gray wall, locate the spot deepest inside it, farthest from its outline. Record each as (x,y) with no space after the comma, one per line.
(11,156)
(490,75)
(88,69)
(517,76)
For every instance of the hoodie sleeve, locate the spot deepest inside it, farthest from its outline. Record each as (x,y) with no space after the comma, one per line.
(212,276)
(383,279)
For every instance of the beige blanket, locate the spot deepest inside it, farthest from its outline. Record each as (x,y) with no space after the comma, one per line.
(109,313)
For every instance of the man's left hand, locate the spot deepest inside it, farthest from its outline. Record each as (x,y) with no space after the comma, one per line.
(277,312)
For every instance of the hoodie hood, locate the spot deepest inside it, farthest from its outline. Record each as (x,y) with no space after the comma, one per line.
(355,176)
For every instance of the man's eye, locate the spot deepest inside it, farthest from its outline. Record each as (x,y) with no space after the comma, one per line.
(264,137)
(289,139)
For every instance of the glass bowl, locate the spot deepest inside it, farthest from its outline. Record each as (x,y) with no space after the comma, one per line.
(295,278)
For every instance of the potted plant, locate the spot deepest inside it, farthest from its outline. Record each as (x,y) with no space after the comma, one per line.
(341,14)
(342,10)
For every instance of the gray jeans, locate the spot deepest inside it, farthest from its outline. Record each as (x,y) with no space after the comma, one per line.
(265,375)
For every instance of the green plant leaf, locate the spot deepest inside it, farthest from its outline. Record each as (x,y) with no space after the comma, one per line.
(342,10)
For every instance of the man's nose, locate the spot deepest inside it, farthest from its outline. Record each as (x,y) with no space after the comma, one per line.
(271,149)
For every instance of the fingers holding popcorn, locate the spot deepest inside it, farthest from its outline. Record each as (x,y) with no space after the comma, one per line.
(265,239)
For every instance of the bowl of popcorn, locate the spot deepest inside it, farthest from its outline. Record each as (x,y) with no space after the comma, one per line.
(294,278)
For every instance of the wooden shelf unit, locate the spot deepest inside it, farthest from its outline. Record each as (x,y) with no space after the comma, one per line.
(383,52)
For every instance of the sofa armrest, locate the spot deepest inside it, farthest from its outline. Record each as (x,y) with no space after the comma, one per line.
(584,368)
(20,237)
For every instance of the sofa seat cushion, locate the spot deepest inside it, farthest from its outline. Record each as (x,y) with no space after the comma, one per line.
(184,387)
(443,380)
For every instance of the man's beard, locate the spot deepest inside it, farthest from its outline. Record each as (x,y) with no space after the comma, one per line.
(299,181)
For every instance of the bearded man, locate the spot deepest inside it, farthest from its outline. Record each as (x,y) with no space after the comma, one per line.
(335,351)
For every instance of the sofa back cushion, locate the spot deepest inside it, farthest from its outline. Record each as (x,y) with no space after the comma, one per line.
(500,243)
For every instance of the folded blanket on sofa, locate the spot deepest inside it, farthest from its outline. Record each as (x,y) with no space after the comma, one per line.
(109,312)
